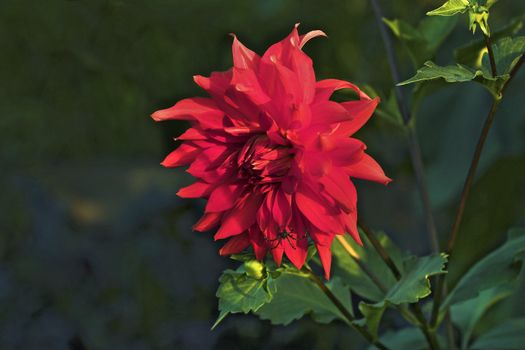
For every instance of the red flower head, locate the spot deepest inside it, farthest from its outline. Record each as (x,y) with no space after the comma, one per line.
(273,154)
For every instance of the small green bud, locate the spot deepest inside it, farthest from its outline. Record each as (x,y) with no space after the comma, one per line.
(479,15)
(254,268)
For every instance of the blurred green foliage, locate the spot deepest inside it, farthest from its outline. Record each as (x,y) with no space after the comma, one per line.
(96,252)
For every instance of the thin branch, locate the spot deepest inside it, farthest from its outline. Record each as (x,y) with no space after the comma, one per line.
(491,55)
(344,310)
(477,155)
(513,73)
(430,335)
(471,173)
(359,263)
(392,60)
(381,251)
(413,144)
(441,285)
(414,308)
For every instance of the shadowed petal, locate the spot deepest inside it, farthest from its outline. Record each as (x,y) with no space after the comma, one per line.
(235,245)
(207,222)
(241,217)
(183,155)
(296,250)
(325,255)
(195,190)
(224,197)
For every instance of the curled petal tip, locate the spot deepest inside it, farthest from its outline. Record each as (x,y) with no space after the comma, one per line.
(310,35)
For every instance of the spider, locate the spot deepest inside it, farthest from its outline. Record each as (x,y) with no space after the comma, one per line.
(290,237)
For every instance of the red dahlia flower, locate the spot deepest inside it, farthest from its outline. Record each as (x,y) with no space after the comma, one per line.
(273,154)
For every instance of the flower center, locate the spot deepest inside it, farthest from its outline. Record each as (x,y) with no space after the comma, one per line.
(262,162)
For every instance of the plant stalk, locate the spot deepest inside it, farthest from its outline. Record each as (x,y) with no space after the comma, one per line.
(471,174)
(381,251)
(413,144)
(441,283)
(414,308)
(344,311)
(488,44)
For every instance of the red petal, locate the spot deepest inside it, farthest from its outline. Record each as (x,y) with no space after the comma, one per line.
(325,89)
(310,35)
(235,245)
(200,109)
(216,83)
(325,255)
(242,56)
(297,250)
(281,210)
(258,242)
(241,217)
(224,197)
(277,254)
(345,150)
(207,222)
(183,155)
(360,112)
(316,210)
(367,169)
(192,134)
(329,112)
(285,63)
(339,186)
(195,190)
(351,226)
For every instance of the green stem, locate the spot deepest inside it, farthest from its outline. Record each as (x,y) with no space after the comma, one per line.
(441,285)
(413,144)
(491,55)
(344,310)
(381,251)
(414,308)
(471,174)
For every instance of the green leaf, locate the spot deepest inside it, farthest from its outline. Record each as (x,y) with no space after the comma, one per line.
(413,286)
(499,267)
(404,339)
(403,30)
(348,269)
(489,3)
(451,74)
(413,41)
(507,52)
(509,335)
(457,74)
(390,112)
(298,295)
(414,283)
(436,29)
(471,54)
(467,314)
(243,290)
(450,8)
(372,314)
(422,42)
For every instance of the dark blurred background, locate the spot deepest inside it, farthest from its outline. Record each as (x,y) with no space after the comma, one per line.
(97,252)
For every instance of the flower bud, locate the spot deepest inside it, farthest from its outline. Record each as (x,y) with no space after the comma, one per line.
(254,268)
